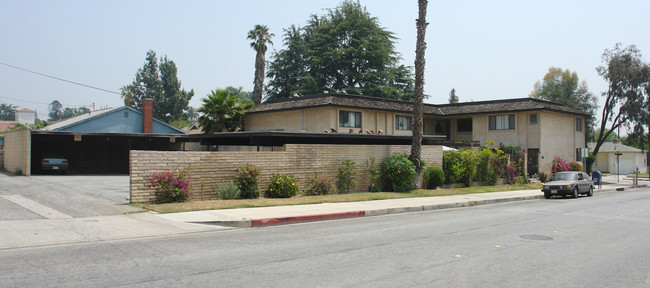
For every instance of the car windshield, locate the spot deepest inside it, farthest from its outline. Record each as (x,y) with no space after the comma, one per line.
(565,176)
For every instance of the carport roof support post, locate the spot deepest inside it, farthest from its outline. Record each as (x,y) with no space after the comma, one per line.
(147,115)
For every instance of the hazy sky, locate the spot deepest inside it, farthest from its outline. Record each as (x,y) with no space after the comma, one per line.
(487,50)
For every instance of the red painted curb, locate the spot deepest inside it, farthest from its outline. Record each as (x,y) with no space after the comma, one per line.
(297,219)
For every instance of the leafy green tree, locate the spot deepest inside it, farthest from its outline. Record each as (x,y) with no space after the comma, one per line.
(260,36)
(159,82)
(626,99)
(69,112)
(222,112)
(563,86)
(55,111)
(7,112)
(239,92)
(452,96)
(344,51)
(191,114)
(418,103)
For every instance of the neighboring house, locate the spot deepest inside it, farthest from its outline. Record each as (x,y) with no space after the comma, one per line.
(629,158)
(25,116)
(96,142)
(541,128)
(5,125)
(113,120)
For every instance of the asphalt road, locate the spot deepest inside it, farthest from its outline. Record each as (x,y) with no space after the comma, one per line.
(600,241)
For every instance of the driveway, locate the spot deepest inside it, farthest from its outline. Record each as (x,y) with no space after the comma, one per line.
(63,196)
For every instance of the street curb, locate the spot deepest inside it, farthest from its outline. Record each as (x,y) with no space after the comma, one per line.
(264,222)
(306,218)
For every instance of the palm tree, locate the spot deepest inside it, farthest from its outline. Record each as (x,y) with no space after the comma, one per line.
(418,105)
(260,36)
(222,112)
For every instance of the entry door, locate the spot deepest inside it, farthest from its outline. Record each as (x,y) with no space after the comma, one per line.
(533,161)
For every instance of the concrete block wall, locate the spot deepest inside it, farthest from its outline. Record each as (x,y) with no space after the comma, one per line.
(17,151)
(299,160)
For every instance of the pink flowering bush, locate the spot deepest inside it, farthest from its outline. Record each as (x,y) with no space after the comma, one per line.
(321,185)
(559,165)
(246,180)
(171,186)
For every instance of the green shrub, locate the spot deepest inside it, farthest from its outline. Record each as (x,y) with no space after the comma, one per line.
(227,191)
(171,186)
(575,166)
(18,172)
(320,185)
(470,161)
(590,163)
(483,171)
(543,177)
(246,180)
(373,171)
(452,166)
(281,186)
(522,180)
(345,174)
(433,177)
(398,172)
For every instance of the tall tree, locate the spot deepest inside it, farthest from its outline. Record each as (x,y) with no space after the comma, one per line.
(55,110)
(344,51)
(418,103)
(564,86)
(7,112)
(222,112)
(626,99)
(159,82)
(452,96)
(260,36)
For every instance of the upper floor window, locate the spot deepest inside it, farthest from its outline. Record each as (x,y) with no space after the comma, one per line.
(464,125)
(403,122)
(349,119)
(578,124)
(532,119)
(502,122)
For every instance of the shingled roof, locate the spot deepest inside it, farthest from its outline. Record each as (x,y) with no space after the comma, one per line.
(365,102)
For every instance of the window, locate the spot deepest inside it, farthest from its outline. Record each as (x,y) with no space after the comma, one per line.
(126,114)
(464,125)
(579,155)
(533,119)
(578,124)
(440,128)
(502,122)
(402,122)
(349,119)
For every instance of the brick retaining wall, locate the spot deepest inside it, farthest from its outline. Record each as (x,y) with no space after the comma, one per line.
(299,160)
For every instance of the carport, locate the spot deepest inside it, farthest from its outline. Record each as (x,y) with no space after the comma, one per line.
(96,153)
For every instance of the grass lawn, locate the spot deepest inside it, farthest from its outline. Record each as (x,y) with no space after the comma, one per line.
(640,175)
(302,200)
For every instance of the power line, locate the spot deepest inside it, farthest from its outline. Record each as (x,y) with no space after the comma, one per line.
(60,79)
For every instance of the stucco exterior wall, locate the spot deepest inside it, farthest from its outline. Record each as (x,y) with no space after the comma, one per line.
(299,160)
(559,138)
(17,151)
(627,163)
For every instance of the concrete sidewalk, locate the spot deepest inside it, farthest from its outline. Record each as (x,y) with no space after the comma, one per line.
(267,216)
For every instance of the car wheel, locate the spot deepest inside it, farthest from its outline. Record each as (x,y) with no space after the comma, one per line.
(547,195)
(591,191)
(575,192)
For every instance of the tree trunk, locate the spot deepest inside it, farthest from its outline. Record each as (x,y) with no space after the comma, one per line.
(418,105)
(258,82)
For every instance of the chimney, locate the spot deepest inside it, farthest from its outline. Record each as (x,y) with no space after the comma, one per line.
(147,115)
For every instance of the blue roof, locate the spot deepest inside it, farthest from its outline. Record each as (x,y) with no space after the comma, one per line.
(113,120)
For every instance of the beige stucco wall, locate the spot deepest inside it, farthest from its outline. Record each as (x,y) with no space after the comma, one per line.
(299,160)
(17,151)
(628,161)
(559,138)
